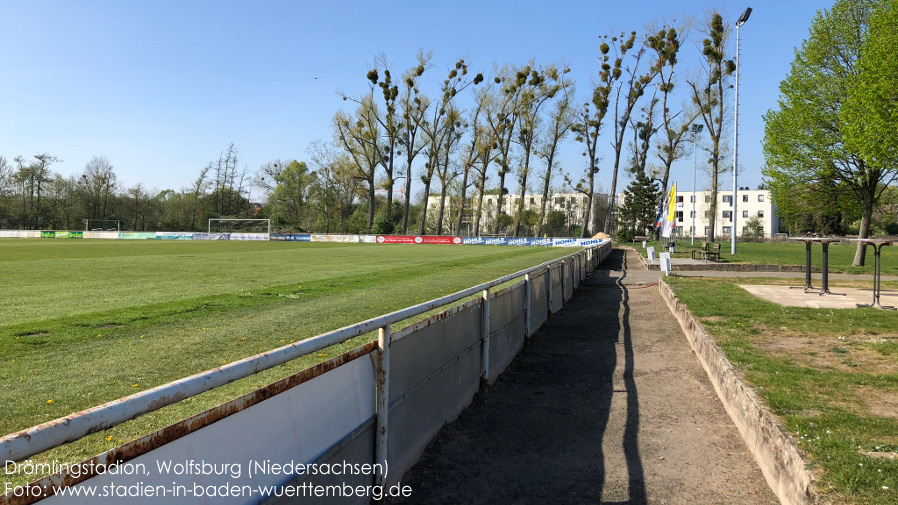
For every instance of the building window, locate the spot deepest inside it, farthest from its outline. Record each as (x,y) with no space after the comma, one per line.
(760,198)
(691,198)
(691,213)
(745,213)
(761,213)
(727,198)
(707,198)
(679,216)
(745,198)
(679,199)
(532,201)
(760,230)
(706,231)
(728,215)
(707,214)
(726,230)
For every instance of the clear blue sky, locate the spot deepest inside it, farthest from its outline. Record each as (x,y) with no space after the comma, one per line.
(161,87)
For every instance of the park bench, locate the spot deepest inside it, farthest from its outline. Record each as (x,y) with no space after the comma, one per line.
(640,238)
(700,253)
(713,252)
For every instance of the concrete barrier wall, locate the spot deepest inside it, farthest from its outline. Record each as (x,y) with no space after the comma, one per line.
(429,372)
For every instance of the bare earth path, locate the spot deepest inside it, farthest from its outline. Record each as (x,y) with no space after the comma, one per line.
(607,405)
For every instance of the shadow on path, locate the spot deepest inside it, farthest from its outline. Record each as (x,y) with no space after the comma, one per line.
(565,422)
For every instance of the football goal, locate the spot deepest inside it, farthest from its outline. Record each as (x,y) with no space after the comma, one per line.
(102,225)
(239,229)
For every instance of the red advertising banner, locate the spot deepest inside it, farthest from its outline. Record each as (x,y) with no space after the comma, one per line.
(440,240)
(404,239)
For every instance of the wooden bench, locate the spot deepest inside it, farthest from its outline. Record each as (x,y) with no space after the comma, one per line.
(700,253)
(639,238)
(714,252)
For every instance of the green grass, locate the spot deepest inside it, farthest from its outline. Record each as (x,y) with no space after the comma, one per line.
(841,256)
(86,322)
(830,374)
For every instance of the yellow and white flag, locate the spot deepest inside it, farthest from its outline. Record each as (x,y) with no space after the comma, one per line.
(668,225)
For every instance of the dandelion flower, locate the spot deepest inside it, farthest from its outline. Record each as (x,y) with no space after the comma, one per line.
(244,338)
(142,336)
(49,401)
(109,438)
(134,385)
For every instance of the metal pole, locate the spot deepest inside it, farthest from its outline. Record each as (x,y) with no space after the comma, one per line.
(694,156)
(742,19)
(563,283)
(527,310)
(383,399)
(485,338)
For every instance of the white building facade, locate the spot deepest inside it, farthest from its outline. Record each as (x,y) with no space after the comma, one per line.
(751,203)
(572,205)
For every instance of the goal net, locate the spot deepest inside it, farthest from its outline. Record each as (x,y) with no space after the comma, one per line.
(239,229)
(102,225)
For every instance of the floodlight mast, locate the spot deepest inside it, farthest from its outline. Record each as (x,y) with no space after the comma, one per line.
(739,22)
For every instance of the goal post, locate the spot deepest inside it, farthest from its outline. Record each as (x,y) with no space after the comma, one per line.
(239,229)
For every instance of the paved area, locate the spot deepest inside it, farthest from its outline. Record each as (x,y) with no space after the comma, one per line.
(841,298)
(608,405)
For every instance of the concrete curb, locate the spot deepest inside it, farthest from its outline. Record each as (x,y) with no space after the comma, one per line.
(779,458)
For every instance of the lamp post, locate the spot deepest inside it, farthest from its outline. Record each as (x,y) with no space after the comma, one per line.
(739,22)
(696,129)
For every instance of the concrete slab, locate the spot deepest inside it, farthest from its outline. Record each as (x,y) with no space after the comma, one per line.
(847,298)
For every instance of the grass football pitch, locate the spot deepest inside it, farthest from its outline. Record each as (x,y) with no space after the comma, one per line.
(86,322)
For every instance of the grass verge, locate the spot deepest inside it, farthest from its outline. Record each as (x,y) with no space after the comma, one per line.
(841,256)
(831,375)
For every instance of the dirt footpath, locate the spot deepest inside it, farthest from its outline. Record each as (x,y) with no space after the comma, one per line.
(607,405)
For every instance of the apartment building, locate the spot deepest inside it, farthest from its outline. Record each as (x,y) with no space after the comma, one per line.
(572,205)
(751,203)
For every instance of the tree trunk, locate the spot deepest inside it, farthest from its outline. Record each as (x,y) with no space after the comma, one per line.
(408,197)
(424,207)
(526,172)
(540,225)
(592,182)
(371,197)
(499,202)
(461,205)
(520,211)
(481,187)
(390,187)
(442,209)
(608,217)
(866,217)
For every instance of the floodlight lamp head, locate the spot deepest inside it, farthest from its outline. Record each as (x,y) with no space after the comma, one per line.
(744,17)
(697,128)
